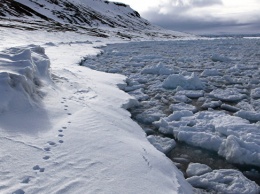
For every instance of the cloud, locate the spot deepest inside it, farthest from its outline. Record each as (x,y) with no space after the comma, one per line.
(203,16)
(195,3)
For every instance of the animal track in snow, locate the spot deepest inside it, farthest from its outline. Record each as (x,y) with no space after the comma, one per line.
(64,127)
(60,135)
(42,170)
(19,191)
(47,149)
(51,143)
(69,113)
(46,157)
(26,180)
(61,141)
(60,130)
(36,167)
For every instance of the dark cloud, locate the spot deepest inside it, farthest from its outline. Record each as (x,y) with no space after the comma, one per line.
(183,18)
(196,3)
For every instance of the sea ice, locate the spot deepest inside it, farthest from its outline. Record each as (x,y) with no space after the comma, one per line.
(183,106)
(191,93)
(249,115)
(159,69)
(197,169)
(225,181)
(163,144)
(210,72)
(230,95)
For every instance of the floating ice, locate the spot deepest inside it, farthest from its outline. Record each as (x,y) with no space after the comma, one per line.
(191,93)
(197,169)
(183,106)
(255,93)
(163,144)
(159,69)
(225,181)
(249,115)
(186,82)
(210,72)
(230,95)
(219,58)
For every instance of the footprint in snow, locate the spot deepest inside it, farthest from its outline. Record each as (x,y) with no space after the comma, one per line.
(46,157)
(51,143)
(61,141)
(47,149)
(37,167)
(69,113)
(60,130)
(60,135)
(19,191)
(64,127)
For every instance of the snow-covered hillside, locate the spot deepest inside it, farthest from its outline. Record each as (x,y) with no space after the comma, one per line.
(94,17)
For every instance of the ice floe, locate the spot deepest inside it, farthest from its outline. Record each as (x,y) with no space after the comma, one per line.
(197,169)
(163,144)
(225,181)
(191,82)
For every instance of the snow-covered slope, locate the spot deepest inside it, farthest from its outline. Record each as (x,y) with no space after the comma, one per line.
(64,128)
(81,16)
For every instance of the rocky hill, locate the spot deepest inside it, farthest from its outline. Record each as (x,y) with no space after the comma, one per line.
(95,17)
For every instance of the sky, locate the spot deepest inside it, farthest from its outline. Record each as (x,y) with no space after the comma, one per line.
(201,16)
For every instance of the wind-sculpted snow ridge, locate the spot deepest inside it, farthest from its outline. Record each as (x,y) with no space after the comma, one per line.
(24,71)
(186,94)
(93,17)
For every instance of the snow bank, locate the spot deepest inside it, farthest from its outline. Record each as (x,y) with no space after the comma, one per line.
(23,71)
(225,181)
(186,82)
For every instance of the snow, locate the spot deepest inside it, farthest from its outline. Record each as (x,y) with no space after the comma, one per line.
(225,181)
(64,127)
(195,108)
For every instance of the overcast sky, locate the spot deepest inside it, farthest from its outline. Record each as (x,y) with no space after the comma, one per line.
(201,16)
